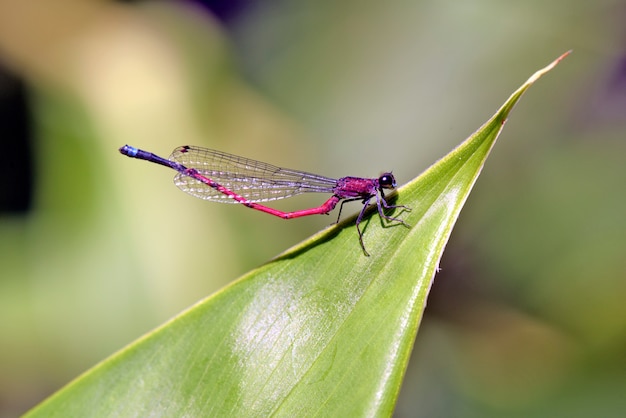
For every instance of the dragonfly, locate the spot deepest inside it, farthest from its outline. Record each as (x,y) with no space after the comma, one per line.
(221,177)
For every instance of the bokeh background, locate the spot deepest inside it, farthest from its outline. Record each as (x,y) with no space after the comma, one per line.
(527,317)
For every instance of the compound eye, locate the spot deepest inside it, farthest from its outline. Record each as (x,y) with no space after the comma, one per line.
(387,181)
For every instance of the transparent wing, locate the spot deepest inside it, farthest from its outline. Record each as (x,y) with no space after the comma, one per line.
(254,180)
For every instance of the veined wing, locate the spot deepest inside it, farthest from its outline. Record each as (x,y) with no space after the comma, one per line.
(254,180)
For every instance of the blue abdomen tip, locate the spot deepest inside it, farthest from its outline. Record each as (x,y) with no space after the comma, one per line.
(128,150)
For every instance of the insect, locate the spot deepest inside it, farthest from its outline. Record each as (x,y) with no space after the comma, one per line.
(221,177)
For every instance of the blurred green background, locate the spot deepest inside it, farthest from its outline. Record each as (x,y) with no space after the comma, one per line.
(527,316)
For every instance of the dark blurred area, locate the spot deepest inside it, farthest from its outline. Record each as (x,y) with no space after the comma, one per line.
(526,317)
(15,119)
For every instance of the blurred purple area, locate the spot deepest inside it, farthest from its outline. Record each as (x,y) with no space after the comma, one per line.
(224,10)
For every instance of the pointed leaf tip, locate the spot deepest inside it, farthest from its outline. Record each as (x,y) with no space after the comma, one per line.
(547,68)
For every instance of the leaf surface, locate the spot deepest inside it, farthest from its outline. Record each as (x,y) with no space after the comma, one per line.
(321,330)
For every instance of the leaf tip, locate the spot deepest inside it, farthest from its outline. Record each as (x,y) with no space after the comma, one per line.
(565,54)
(547,68)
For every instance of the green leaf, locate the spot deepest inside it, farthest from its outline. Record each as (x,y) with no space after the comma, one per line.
(321,330)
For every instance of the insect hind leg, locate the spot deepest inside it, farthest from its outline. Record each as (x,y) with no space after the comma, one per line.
(346,201)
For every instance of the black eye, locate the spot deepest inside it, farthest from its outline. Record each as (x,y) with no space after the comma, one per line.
(387,181)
